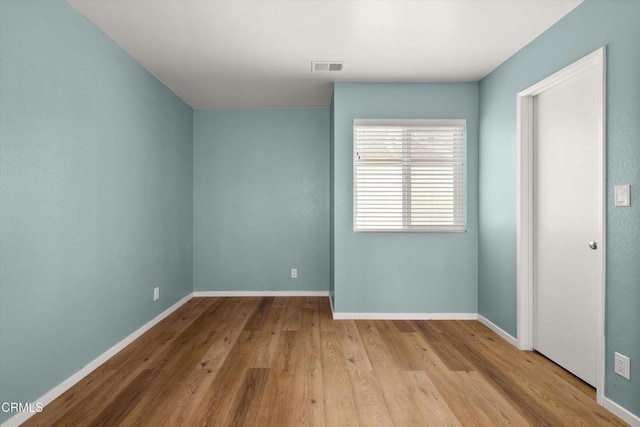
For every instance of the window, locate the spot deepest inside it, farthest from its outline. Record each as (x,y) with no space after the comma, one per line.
(409,175)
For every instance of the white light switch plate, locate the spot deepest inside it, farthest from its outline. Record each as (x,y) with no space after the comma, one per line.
(622,195)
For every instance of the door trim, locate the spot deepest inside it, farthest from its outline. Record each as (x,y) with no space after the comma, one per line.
(524,201)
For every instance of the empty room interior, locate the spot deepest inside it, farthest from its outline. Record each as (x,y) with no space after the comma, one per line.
(328,213)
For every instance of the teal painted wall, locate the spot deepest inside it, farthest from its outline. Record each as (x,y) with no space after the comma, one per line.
(402,272)
(593,24)
(261,199)
(95,201)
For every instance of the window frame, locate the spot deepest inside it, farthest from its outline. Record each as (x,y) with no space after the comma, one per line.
(459,174)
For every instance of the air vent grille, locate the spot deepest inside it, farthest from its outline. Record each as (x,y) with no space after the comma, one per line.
(319,66)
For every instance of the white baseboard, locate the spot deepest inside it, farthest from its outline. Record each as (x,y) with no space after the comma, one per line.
(498,330)
(622,413)
(405,316)
(210,294)
(54,393)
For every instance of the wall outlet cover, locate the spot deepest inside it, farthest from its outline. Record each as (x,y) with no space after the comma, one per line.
(622,365)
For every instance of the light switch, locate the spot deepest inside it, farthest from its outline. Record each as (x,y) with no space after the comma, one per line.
(622,195)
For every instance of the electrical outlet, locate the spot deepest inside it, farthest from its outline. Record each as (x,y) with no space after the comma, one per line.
(156,293)
(294,273)
(622,366)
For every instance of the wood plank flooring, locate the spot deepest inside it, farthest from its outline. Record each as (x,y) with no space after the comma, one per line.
(285,362)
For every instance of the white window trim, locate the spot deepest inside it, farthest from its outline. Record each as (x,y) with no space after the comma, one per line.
(460,184)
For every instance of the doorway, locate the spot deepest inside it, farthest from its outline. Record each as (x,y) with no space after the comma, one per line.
(561,218)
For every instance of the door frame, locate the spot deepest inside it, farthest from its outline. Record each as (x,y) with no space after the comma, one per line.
(524,200)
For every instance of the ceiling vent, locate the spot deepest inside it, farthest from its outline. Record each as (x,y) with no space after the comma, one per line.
(327,66)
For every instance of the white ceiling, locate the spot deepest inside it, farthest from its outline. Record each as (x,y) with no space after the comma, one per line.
(258,53)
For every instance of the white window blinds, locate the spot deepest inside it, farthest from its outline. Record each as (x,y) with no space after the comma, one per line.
(409,175)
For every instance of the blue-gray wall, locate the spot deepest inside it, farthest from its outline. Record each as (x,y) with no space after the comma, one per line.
(593,24)
(402,272)
(96,196)
(261,199)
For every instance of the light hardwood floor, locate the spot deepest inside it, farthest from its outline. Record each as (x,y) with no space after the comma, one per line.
(285,362)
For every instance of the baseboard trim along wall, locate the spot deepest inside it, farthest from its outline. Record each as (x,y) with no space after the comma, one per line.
(213,294)
(54,393)
(405,316)
(625,415)
(501,332)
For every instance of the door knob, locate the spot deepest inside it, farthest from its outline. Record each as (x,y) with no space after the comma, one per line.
(593,244)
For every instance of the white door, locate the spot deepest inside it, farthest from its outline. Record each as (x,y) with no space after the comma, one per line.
(566,182)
